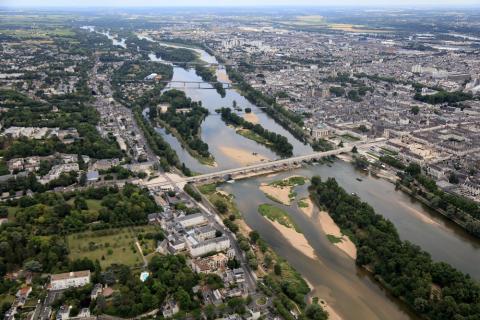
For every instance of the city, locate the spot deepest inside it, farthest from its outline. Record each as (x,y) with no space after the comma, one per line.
(239,162)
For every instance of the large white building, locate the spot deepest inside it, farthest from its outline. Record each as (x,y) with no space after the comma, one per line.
(192,220)
(198,249)
(67,280)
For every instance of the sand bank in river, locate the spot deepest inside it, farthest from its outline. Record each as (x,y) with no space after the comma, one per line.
(330,228)
(243,157)
(281,194)
(307,210)
(297,240)
(251,117)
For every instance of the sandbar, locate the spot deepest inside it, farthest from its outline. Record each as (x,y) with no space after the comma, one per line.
(330,228)
(251,117)
(281,194)
(297,240)
(242,157)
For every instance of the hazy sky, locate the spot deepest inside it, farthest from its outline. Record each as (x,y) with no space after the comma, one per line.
(213,3)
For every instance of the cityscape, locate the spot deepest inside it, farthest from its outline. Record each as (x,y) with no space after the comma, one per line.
(239,160)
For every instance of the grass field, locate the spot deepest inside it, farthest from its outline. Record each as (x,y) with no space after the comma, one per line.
(208,188)
(275,213)
(289,182)
(111,246)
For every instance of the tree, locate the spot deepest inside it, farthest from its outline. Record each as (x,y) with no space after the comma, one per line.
(453,178)
(413,169)
(83,179)
(248,110)
(254,236)
(221,206)
(33,266)
(315,312)
(277,269)
(415,110)
(354,149)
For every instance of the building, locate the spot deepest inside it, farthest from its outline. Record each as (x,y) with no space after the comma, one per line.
(192,220)
(198,249)
(320,132)
(67,280)
(170,309)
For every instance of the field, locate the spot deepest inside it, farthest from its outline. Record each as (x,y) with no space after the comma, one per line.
(111,246)
(275,213)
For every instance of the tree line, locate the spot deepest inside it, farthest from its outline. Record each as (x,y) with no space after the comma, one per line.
(277,143)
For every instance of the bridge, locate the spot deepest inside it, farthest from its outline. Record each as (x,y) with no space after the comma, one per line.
(184,84)
(276,165)
(261,168)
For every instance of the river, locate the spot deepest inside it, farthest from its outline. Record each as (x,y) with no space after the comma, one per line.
(229,148)
(334,276)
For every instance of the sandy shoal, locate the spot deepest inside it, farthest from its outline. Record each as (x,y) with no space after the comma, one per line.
(330,228)
(243,157)
(251,117)
(279,193)
(308,211)
(297,240)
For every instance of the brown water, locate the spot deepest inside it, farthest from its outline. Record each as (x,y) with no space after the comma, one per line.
(334,276)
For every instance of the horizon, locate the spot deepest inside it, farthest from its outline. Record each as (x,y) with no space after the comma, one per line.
(33,4)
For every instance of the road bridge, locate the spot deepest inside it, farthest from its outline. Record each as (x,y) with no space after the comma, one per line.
(276,165)
(261,168)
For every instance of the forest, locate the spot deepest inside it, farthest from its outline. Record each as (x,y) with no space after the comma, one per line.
(435,290)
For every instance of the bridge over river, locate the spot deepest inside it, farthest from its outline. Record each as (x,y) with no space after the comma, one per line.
(260,168)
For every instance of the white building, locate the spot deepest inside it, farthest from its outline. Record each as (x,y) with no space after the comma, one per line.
(67,280)
(192,220)
(198,249)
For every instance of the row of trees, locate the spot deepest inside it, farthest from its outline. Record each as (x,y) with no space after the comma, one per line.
(277,143)
(287,119)
(444,97)
(464,211)
(208,75)
(434,290)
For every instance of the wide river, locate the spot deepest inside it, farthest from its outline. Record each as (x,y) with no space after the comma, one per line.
(334,276)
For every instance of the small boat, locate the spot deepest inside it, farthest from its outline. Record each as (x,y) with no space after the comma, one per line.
(358,179)
(231,181)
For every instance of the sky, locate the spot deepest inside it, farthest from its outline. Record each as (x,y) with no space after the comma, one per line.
(222,3)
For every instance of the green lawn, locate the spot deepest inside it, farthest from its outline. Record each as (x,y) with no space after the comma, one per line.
(208,188)
(109,246)
(290,182)
(275,213)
